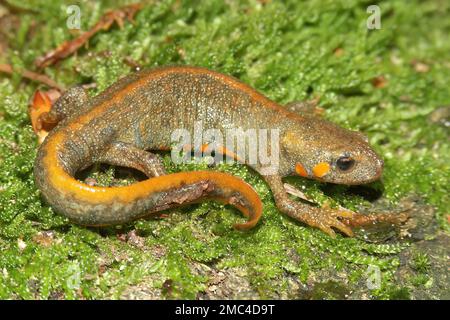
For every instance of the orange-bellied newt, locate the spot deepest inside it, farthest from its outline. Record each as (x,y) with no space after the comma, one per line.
(138,113)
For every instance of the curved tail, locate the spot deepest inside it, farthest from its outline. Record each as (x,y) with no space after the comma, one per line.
(95,206)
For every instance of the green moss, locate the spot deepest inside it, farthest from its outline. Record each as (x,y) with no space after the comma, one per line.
(396,293)
(287,51)
(421,262)
(330,290)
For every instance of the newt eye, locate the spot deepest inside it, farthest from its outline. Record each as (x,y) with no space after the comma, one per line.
(345,163)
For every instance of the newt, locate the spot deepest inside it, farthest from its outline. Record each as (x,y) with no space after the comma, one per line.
(136,115)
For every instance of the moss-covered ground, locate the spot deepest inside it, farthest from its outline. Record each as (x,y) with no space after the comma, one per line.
(391,83)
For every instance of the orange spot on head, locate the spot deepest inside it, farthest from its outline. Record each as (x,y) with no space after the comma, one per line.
(321,169)
(300,169)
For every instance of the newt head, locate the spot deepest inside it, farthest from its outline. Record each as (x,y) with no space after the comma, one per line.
(323,151)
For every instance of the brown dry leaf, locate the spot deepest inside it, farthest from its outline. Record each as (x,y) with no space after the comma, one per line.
(338,52)
(420,66)
(40,106)
(33,76)
(379,82)
(45,238)
(69,47)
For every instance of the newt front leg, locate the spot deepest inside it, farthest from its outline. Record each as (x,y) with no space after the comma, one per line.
(323,218)
(126,155)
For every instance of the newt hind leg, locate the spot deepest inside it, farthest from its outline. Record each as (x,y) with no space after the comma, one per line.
(72,102)
(46,115)
(126,155)
(323,218)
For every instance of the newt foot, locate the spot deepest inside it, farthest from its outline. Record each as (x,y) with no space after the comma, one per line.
(324,219)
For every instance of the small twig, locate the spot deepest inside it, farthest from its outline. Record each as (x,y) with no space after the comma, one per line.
(91,85)
(297,193)
(37,77)
(69,47)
